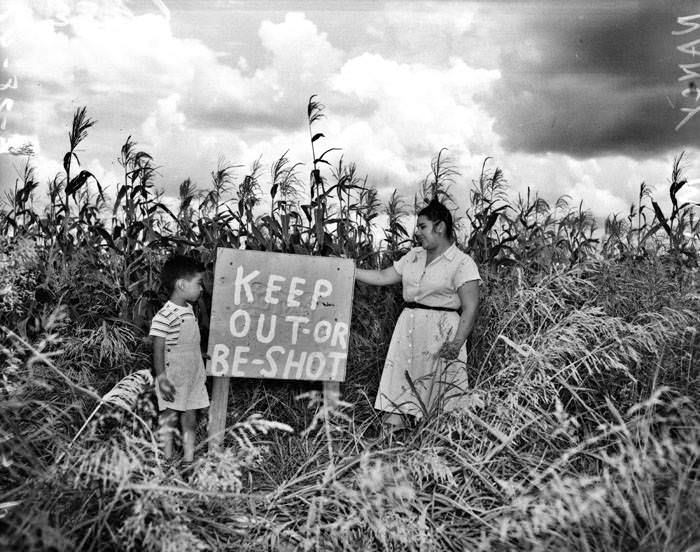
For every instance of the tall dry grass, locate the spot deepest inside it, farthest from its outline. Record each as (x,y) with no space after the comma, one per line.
(579,430)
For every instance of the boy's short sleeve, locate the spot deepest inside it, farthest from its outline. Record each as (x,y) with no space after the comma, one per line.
(467,271)
(162,326)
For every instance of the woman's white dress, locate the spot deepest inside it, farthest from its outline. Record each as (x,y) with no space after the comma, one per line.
(420,333)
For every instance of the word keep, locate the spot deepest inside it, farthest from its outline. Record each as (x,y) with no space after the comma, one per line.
(242,285)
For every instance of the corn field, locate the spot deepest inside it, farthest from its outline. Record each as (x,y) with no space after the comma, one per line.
(580,429)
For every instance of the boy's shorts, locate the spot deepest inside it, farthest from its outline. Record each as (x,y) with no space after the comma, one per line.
(189,381)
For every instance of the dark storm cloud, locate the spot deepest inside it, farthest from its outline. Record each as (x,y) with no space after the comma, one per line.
(599,80)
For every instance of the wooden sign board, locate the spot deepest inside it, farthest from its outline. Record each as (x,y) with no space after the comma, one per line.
(280,316)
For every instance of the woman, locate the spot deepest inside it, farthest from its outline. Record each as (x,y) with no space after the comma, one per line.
(439,282)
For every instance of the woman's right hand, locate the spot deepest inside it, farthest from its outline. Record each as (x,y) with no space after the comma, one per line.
(166,387)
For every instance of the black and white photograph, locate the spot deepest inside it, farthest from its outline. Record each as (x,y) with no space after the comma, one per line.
(328,275)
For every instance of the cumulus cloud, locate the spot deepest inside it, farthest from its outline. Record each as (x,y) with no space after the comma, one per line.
(423,32)
(417,110)
(480,79)
(274,96)
(298,49)
(606,185)
(166,121)
(136,77)
(107,54)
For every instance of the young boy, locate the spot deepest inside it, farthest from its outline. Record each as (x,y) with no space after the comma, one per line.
(177,358)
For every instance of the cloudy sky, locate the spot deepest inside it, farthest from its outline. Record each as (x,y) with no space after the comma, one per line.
(579,97)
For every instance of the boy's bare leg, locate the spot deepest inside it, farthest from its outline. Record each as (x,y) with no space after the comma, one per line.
(167,422)
(188,420)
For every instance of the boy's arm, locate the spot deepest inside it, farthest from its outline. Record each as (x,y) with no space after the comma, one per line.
(167,389)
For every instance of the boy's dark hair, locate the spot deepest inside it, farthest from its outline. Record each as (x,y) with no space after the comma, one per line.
(179,266)
(436,212)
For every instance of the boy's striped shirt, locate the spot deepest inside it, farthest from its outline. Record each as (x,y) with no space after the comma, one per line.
(167,321)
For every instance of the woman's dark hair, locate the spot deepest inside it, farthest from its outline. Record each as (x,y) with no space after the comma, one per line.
(179,266)
(436,212)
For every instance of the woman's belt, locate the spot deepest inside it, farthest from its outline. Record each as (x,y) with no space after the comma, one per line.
(427,307)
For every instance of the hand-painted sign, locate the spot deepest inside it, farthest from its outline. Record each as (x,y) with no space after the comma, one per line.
(280,316)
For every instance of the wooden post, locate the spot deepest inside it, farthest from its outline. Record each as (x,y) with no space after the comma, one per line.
(217,412)
(331,393)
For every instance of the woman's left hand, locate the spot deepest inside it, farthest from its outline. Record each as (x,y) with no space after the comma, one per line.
(449,350)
